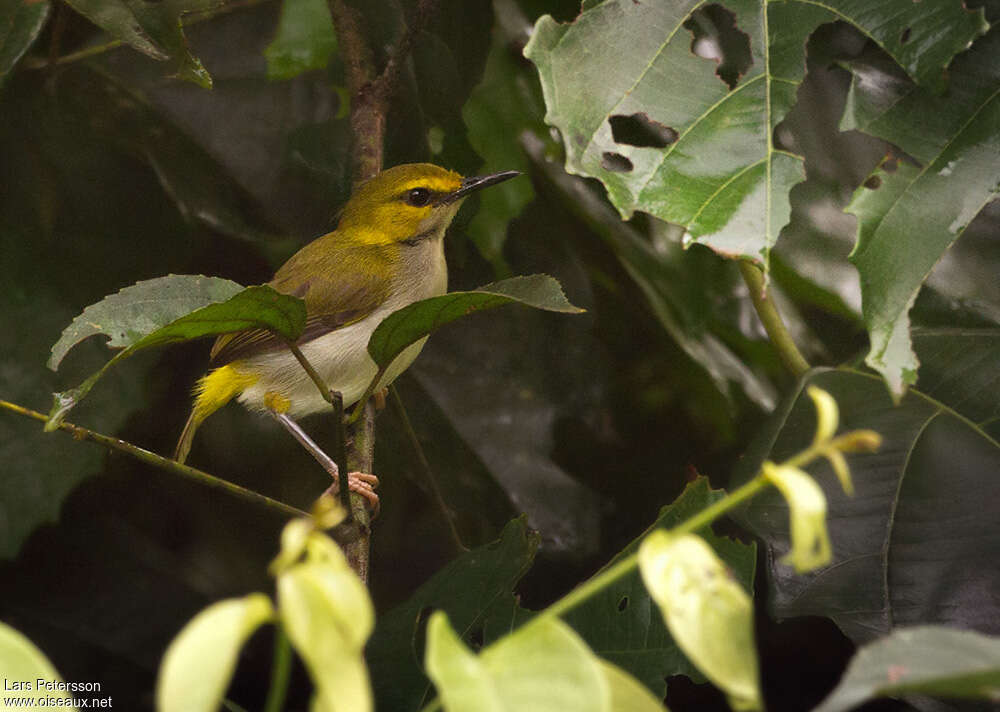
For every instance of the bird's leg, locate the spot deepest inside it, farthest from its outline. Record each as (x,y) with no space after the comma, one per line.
(362,483)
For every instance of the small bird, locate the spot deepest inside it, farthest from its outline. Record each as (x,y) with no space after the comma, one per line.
(387,252)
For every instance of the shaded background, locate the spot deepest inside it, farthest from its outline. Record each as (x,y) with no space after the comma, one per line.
(112,172)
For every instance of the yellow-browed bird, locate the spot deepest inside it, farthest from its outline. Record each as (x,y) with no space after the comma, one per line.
(387,252)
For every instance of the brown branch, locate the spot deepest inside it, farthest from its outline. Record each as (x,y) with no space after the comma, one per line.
(371,94)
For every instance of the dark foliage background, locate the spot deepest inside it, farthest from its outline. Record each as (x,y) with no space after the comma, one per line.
(112,171)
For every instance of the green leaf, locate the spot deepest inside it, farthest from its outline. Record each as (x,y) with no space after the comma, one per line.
(711,164)
(20,23)
(499,110)
(328,616)
(22,662)
(469,589)
(627,693)
(910,215)
(153,28)
(544,666)
(200,661)
(917,543)
(708,613)
(170,310)
(616,622)
(928,660)
(304,41)
(128,316)
(412,323)
(955,369)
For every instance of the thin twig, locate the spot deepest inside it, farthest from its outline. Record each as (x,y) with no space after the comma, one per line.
(308,368)
(775,327)
(187,19)
(164,463)
(281,669)
(425,467)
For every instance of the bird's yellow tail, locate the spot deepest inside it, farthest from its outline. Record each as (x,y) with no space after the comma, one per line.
(213,391)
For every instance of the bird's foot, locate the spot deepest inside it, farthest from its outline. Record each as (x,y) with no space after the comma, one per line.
(362,483)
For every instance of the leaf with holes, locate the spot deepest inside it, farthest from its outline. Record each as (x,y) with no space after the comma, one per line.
(909,215)
(918,542)
(639,110)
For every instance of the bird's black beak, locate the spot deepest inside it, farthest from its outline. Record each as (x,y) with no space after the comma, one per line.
(474,183)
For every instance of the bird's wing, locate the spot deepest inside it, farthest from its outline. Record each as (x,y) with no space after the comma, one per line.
(340,285)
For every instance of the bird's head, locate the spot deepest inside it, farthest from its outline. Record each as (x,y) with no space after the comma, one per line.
(410,203)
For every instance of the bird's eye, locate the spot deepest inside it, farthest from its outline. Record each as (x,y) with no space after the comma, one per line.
(418,197)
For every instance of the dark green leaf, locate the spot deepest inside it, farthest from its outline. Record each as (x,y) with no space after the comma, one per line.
(20,23)
(412,323)
(917,543)
(958,368)
(305,39)
(929,660)
(712,165)
(169,310)
(908,215)
(153,28)
(467,590)
(500,108)
(621,624)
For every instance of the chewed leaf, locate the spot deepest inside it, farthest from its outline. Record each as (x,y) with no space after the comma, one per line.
(669,137)
(413,322)
(708,612)
(170,310)
(909,215)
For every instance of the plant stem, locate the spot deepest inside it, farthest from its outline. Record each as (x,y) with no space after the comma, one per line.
(618,570)
(622,568)
(425,468)
(187,19)
(164,463)
(776,330)
(280,671)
